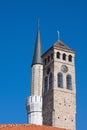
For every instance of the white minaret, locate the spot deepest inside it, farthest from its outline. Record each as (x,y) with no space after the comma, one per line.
(34,102)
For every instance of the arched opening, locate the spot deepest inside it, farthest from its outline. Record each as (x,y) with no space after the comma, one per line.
(50,81)
(60,80)
(51,56)
(69,82)
(70,58)
(58,55)
(64,56)
(48,58)
(46,84)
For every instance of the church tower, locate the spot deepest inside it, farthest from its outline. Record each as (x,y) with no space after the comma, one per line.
(59,87)
(34,102)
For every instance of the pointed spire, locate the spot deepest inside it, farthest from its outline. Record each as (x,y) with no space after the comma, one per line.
(38,24)
(38,49)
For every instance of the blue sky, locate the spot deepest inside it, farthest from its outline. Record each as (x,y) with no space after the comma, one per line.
(18,27)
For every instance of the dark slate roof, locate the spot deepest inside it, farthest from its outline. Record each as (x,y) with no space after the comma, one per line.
(38,50)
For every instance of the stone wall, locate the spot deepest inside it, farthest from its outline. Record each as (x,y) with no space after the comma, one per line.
(59,104)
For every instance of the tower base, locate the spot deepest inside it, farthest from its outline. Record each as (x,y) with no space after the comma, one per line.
(34,110)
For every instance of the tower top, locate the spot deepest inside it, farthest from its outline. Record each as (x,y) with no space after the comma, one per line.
(38,49)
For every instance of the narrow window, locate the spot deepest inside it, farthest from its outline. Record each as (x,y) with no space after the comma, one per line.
(70,58)
(48,58)
(64,56)
(51,56)
(45,84)
(60,80)
(50,81)
(58,55)
(69,82)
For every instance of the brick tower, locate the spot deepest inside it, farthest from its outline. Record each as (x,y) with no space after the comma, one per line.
(59,88)
(34,102)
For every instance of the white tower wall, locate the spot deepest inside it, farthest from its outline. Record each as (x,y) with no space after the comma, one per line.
(34,102)
(36,80)
(34,110)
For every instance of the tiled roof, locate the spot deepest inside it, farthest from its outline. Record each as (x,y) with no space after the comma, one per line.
(59,44)
(27,127)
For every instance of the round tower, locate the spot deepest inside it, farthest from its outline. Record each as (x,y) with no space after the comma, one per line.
(34,102)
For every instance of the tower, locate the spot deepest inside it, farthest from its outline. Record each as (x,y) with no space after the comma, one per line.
(59,88)
(34,102)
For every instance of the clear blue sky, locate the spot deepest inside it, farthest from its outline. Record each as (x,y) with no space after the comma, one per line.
(18,27)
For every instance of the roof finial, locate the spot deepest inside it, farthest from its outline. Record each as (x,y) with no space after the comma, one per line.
(58,35)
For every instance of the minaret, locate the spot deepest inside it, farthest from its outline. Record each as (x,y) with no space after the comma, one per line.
(34,102)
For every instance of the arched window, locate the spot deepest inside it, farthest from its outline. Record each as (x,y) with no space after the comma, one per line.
(51,56)
(58,55)
(60,80)
(48,58)
(45,84)
(50,81)
(64,56)
(70,58)
(69,82)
